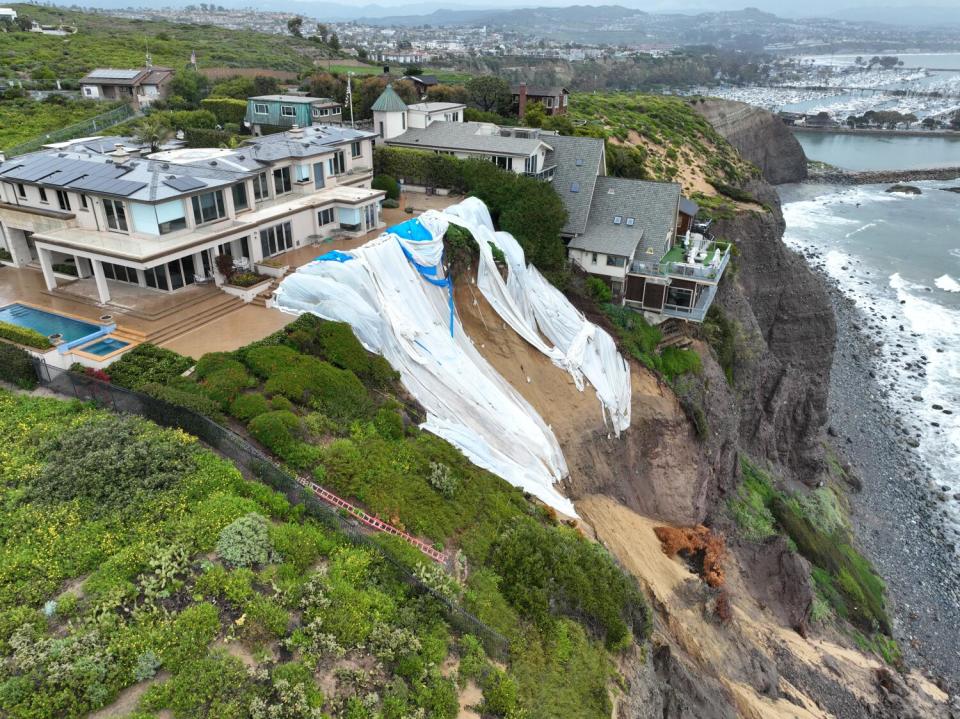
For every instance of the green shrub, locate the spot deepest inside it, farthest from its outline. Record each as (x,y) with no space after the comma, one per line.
(336,343)
(388,423)
(184,394)
(245,542)
(214,686)
(599,290)
(675,362)
(281,402)
(281,432)
(16,367)
(24,336)
(111,462)
(499,694)
(387,184)
(147,363)
(390,204)
(720,333)
(247,406)
(549,570)
(226,109)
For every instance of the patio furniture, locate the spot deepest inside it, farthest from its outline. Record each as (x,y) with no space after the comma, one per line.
(242,263)
(202,279)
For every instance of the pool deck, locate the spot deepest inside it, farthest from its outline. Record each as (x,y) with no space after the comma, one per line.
(195,320)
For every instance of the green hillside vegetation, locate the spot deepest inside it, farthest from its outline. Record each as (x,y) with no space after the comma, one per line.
(817,527)
(657,137)
(105,41)
(131,554)
(23,119)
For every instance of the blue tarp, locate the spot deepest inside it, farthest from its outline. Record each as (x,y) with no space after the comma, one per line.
(411,230)
(334,256)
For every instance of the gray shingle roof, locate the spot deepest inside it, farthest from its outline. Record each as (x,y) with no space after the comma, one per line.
(578,160)
(469,137)
(651,205)
(312,140)
(389,101)
(689,207)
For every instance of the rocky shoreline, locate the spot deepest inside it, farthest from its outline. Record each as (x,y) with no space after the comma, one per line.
(835,176)
(895,511)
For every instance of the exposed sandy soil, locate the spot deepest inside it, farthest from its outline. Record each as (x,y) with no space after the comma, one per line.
(723,651)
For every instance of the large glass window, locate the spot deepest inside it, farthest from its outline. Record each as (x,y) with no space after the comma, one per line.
(325,216)
(502,161)
(120,273)
(356,149)
(208,207)
(22,191)
(318,175)
(281,180)
(261,187)
(240,196)
(170,217)
(156,277)
(616,261)
(181,272)
(303,173)
(336,163)
(276,239)
(116,215)
(63,199)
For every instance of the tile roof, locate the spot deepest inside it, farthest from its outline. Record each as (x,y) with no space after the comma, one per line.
(389,101)
(651,205)
(579,160)
(470,137)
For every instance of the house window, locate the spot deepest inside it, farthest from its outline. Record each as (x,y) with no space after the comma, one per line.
(240,196)
(503,162)
(317,175)
(564,100)
(83,202)
(276,239)
(63,199)
(616,261)
(208,207)
(182,272)
(303,173)
(21,190)
(87,91)
(120,273)
(321,111)
(43,194)
(381,128)
(593,258)
(334,110)
(336,163)
(549,102)
(288,111)
(281,180)
(370,215)
(403,120)
(617,219)
(261,109)
(116,215)
(530,164)
(261,187)
(325,217)
(356,149)
(574,187)
(631,222)
(156,277)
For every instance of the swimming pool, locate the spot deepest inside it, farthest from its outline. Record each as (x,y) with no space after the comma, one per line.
(48,323)
(104,347)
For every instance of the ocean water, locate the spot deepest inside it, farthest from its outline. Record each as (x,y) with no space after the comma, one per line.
(898,257)
(880,152)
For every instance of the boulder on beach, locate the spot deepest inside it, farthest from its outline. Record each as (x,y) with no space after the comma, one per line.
(951,189)
(905,189)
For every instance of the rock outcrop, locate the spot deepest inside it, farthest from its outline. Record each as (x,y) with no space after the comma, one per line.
(759,136)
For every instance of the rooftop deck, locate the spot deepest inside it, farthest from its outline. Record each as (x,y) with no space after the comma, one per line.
(705,262)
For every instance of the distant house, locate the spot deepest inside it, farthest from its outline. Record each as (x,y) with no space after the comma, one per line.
(422,82)
(638,236)
(285,111)
(392,116)
(553,99)
(139,86)
(8,14)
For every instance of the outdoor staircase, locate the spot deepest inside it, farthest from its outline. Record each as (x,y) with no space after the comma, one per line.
(206,313)
(261,299)
(673,334)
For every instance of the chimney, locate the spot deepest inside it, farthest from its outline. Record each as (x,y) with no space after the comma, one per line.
(522,104)
(296,132)
(119,154)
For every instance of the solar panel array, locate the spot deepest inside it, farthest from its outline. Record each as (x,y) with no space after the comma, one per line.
(111,74)
(58,171)
(183,184)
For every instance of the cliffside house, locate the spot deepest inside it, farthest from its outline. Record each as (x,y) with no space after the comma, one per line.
(141,86)
(266,113)
(637,236)
(159,222)
(392,116)
(553,99)
(422,82)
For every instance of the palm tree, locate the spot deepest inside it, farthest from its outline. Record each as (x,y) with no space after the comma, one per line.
(153,130)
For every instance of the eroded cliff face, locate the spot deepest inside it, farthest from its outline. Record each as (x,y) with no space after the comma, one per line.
(759,136)
(785,334)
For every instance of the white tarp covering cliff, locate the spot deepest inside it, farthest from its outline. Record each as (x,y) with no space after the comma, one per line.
(394,294)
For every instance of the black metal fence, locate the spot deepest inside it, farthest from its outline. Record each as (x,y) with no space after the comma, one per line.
(260,466)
